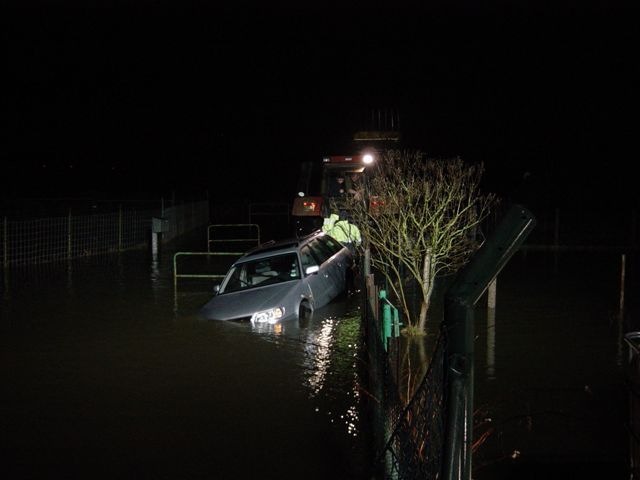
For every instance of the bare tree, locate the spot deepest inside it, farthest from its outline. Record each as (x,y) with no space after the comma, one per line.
(420,218)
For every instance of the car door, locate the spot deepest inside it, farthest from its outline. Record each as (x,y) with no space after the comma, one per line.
(318,282)
(331,268)
(338,264)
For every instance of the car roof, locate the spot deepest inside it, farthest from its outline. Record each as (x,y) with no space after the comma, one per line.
(285,245)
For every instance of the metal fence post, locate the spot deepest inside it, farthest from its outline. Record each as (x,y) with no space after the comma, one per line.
(460,300)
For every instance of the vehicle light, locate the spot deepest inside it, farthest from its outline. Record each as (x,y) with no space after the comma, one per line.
(309,206)
(268,316)
(367,158)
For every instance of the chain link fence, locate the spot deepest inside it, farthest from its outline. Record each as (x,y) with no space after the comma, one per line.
(35,241)
(408,433)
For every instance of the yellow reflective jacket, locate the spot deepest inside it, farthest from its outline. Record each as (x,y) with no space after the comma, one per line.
(346,232)
(328,223)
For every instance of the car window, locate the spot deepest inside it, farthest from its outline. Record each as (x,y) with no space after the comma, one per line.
(332,244)
(307,258)
(236,279)
(262,272)
(321,251)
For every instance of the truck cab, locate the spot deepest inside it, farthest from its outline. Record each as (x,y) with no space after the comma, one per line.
(309,209)
(379,132)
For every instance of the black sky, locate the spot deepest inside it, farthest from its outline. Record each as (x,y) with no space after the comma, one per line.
(122,99)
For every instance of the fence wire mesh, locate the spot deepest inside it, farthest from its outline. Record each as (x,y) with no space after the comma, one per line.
(43,240)
(409,435)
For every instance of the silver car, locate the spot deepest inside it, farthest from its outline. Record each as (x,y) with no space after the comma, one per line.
(280,281)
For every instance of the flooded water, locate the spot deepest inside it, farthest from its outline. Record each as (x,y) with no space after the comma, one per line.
(107,372)
(550,386)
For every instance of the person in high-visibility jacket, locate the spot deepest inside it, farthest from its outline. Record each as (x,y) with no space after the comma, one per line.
(339,227)
(348,234)
(329,222)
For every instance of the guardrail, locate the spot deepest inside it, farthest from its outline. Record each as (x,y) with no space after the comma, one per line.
(249,226)
(254,236)
(177,275)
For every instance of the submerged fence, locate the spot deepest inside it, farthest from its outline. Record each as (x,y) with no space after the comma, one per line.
(409,435)
(44,240)
(427,432)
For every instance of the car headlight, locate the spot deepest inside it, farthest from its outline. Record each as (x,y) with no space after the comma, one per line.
(270,316)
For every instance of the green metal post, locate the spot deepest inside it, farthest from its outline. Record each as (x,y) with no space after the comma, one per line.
(386,319)
(396,323)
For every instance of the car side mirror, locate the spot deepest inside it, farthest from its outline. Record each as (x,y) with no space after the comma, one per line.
(312,269)
(216,289)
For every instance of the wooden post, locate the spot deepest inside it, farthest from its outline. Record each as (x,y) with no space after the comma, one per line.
(491,344)
(491,294)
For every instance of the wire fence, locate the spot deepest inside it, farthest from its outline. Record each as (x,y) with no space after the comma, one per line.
(43,240)
(409,423)
(408,432)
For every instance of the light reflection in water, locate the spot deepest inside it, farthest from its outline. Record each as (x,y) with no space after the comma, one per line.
(276,329)
(319,355)
(331,361)
(329,346)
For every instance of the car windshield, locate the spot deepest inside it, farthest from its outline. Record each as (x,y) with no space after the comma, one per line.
(262,272)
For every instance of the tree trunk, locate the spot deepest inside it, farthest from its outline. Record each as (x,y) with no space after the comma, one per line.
(427,288)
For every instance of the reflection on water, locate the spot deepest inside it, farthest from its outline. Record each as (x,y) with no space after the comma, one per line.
(107,371)
(329,347)
(318,354)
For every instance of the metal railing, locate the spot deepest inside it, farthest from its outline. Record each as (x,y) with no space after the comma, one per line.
(230,238)
(234,228)
(177,275)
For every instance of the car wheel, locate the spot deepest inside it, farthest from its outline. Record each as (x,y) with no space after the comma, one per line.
(349,284)
(305,313)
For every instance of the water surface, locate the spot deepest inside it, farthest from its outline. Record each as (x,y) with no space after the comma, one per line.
(108,372)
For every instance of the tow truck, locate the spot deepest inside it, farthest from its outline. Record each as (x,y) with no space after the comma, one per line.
(309,210)
(313,201)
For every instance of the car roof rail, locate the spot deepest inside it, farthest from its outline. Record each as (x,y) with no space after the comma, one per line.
(309,235)
(259,247)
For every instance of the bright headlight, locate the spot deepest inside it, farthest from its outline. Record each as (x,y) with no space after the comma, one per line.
(270,316)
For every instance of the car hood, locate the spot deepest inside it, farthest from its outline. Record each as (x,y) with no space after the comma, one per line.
(242,304)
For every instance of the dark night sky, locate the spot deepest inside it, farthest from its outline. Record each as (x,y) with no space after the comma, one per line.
(119,100)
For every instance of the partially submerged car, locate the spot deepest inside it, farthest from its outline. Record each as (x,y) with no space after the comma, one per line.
(284,280)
